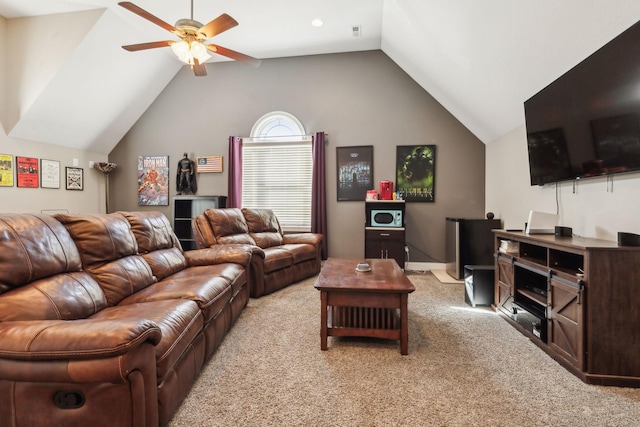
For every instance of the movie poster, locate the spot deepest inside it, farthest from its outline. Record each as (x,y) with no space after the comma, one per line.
(153,180)
(6,170)
(27,168)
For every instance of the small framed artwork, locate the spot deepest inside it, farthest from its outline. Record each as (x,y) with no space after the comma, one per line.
(416,172)
(27,172)
(6,170)
(355,172)
(74,177)
(49,173)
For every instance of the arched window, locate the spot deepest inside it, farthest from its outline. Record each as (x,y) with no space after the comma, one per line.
(277,167)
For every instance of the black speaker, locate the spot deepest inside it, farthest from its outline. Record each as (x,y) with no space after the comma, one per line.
(628,239)
(563,231)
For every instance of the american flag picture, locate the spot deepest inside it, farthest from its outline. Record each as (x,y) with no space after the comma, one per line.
(209,164)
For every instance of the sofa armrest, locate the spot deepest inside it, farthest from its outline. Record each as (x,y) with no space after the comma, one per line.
(223,253)
(308,238)
(74,339)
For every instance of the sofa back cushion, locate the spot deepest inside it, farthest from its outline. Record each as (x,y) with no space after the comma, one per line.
(109,252)
(229,226)
(157,243)
(41,275)
(264,227)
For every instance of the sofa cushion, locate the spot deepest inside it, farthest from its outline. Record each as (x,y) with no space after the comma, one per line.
(33,247)
(229,226)
(276,258)
(179,320)
(199,284)
(263,226)
(109,252)
(157,243)
(301,252)
(68,296)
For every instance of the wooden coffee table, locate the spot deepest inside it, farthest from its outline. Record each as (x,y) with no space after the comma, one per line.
(364,304)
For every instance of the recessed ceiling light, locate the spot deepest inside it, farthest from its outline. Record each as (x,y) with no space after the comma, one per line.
(317,22)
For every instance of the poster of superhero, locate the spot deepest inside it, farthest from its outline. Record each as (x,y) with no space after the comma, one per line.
(27,171)
(153,180)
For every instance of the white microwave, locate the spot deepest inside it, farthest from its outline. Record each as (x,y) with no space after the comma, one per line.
(387,218)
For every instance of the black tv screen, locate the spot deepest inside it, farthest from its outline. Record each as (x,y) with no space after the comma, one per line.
(587,122)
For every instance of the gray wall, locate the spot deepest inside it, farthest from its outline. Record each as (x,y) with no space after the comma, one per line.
(360,98)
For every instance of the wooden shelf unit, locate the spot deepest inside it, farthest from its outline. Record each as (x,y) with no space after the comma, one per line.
(587,294)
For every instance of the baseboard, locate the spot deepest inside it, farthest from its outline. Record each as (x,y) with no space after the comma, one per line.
(424,266)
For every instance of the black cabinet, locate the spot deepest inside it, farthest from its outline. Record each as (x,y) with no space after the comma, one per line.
(468,242)
(478,284)
(385,243)
(185,208)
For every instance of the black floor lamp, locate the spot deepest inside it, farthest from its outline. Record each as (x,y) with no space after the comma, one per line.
(105,168)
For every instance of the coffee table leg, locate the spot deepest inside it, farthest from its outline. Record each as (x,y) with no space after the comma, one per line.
(323,320)
(404,325)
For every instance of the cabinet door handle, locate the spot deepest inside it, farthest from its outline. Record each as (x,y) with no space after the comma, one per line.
(385,234)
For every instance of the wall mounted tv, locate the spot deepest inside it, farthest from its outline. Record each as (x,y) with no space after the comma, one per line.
(587,122)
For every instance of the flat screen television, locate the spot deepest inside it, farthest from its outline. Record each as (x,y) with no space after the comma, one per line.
(587,122)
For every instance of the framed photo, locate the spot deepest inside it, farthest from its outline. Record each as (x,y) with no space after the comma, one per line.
(49,173)
(27,172)
(74,177)
(416,172)
(153,180)
(6,170)
(355,172)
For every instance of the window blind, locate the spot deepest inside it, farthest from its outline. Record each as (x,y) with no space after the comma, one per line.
(276,175)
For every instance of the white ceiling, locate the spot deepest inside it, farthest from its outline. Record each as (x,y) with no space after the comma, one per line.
(479,59)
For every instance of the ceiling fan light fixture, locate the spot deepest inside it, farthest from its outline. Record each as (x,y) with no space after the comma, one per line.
(188,51)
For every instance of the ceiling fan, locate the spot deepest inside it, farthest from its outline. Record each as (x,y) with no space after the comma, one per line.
(191,49)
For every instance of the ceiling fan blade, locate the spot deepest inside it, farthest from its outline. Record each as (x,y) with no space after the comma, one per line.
(199,69)
(149,17)
(149,45)
(219,25)
(237,56)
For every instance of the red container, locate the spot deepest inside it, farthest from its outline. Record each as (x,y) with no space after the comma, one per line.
(386,190)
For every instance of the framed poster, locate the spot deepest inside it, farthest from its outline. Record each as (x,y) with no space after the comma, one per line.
(74,177)
(153,180)
(6,170)
(355,172)
(49,173)
(416,172)
(27,171)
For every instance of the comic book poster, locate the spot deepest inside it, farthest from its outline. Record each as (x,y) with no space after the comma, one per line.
(153,180)
(6,170)
(27,168)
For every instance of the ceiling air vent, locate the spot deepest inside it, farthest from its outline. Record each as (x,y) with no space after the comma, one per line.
(357,30)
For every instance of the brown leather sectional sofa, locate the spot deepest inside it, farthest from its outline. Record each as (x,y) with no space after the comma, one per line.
(104,320)
(278,259)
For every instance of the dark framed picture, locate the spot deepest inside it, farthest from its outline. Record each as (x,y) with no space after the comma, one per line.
(355,172)
(74,177)
(416,172)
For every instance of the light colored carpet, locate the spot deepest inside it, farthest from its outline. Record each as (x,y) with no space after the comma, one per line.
(444,277)
(465,367)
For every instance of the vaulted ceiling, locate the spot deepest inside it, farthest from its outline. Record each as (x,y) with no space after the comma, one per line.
(68,81)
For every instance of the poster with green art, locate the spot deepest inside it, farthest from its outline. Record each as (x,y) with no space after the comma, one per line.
(416,172)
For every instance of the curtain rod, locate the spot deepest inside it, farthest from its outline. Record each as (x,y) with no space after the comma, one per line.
(279,136)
